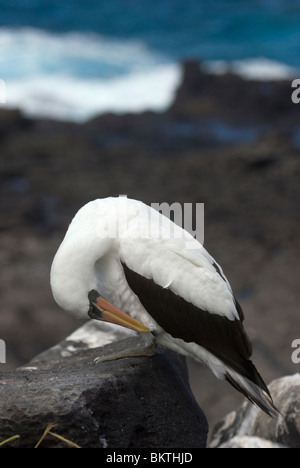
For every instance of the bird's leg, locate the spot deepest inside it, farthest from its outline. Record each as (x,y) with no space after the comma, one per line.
(147,348)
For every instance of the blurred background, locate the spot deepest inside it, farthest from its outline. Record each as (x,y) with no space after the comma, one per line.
(169,100)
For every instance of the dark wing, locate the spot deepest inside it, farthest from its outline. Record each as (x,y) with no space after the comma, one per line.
(224,338)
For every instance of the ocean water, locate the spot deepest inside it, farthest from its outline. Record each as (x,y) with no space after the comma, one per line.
(75,59)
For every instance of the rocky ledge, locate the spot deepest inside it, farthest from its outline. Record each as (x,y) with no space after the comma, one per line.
(126,403)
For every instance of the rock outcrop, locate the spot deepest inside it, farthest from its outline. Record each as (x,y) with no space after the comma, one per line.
(126,403)
(249,427)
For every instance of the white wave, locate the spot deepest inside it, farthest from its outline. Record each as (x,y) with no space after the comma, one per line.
(76,76)
(75,99)
(262,69)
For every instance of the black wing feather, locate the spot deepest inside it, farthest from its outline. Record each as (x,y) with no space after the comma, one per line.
(226,339)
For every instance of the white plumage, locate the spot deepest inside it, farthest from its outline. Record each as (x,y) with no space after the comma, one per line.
(114,242)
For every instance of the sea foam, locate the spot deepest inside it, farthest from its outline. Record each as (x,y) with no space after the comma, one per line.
(260,68)
(75,76)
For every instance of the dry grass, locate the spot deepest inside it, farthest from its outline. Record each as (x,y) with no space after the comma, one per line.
(48,431)
(15,437)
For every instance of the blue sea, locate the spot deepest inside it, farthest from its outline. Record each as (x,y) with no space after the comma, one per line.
(74,59)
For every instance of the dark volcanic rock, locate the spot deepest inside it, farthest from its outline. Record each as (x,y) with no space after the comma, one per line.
(230,96)
(126,403)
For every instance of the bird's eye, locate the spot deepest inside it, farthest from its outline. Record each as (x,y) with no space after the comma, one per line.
(91,311)
(94,312)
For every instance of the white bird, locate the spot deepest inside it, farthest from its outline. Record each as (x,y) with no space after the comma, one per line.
(127,264)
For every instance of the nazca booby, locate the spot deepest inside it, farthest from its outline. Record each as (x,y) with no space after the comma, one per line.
(139,270)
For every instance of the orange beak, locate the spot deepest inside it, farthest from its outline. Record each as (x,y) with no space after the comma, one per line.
(101,309)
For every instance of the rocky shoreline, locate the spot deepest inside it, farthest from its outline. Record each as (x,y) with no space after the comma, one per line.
(227,142)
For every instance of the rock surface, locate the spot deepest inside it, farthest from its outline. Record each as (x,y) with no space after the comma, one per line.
(246,442)
(238,428)
(126,403)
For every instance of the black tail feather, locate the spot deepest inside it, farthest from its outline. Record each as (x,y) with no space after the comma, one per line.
(255,390)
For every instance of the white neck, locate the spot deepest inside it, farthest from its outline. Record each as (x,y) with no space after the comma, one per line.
(73,272)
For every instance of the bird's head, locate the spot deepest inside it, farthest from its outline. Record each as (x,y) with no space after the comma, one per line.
(83,304)
(101,309)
